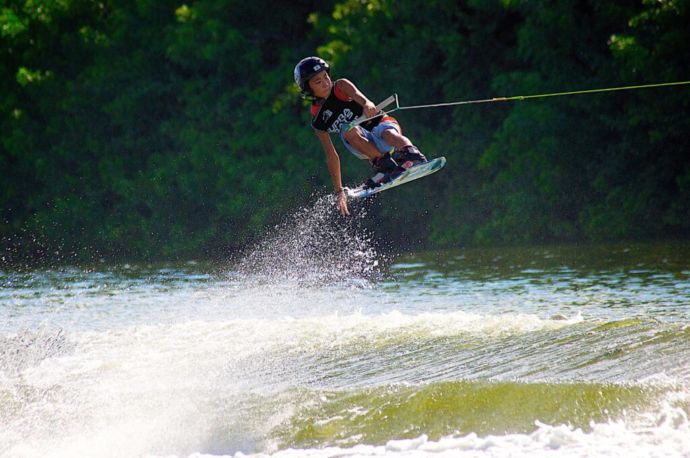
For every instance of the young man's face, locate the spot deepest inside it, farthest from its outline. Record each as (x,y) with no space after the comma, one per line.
(320,84)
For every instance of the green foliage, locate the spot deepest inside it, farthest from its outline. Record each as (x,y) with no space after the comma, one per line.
(163,129)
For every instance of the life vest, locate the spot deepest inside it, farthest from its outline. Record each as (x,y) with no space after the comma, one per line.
(337,111)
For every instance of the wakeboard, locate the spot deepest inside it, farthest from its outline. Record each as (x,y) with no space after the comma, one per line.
(413,173)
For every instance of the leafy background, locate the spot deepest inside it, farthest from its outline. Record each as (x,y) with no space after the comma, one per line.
(161,129)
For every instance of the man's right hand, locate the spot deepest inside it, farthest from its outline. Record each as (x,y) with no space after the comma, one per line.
(370,109)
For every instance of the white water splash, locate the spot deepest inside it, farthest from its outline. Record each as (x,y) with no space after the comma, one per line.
(315,246)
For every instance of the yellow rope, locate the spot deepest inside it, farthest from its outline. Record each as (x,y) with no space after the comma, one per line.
(537,96)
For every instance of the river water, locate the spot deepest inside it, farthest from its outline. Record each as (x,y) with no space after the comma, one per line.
(314,344)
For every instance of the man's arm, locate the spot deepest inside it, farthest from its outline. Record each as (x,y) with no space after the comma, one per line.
(355,94)
(333,163)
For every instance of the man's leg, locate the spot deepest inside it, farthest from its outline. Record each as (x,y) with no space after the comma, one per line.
(386,168)
(406,154)
(362,144)
(395,139)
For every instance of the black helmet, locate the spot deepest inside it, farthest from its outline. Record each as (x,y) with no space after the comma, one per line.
(306,69)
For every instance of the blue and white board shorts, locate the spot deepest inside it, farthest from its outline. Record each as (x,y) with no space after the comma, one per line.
(374,136)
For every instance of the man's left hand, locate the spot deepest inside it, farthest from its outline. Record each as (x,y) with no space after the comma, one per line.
(342,203)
